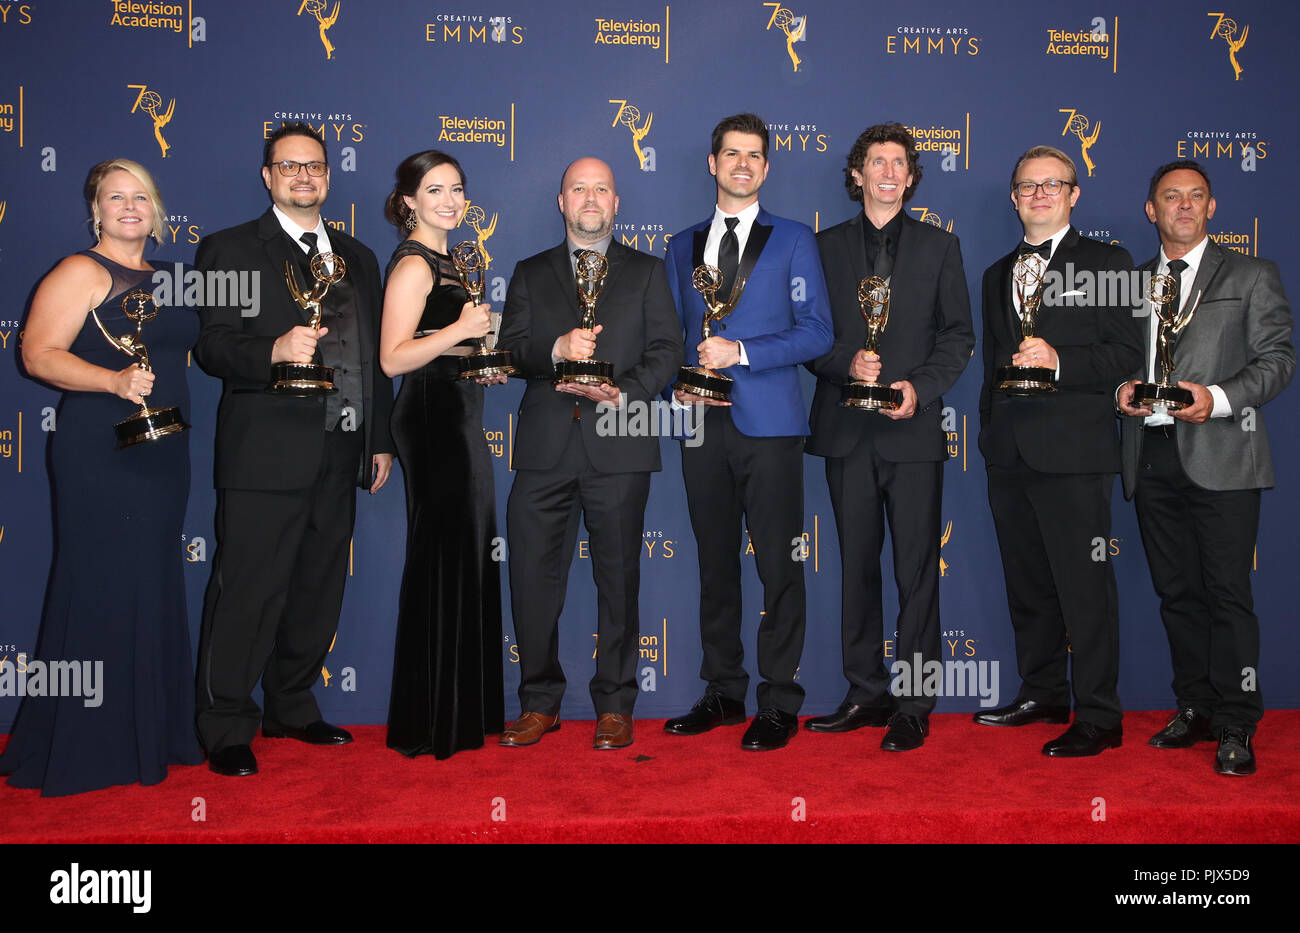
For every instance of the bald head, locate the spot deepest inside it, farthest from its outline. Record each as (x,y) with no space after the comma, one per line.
(588,201)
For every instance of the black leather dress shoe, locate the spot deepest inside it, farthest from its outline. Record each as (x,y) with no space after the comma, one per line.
(906,732)
(710,711)
(1235,756)
(848,717)
(1084,739)
(1023,712)
(233,761)
(1184,730)
(318,733)
(770,729)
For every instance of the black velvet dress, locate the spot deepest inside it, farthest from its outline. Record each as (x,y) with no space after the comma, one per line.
(116,593)
(447,676)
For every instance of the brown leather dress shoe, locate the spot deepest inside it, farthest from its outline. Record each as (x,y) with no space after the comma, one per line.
(613,730)
(528,729)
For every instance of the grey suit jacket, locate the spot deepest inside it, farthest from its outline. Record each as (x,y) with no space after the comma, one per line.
(1239,339)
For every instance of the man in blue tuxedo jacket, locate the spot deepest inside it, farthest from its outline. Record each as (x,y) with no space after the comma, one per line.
(748,460)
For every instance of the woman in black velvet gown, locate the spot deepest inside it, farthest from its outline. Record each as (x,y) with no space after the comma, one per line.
(116,593)
(447,678)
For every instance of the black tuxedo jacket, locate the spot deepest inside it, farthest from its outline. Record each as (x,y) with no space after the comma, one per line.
(928,340)
(641,337)
(1099,343)
(269,441)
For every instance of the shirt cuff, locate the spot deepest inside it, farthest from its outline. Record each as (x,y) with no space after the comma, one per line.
(1222,408)
(555,356)
(740,347)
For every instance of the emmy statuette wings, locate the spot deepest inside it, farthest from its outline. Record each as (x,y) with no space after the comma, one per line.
(148,424)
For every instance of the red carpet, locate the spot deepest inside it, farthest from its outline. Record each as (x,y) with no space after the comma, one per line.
(967,784)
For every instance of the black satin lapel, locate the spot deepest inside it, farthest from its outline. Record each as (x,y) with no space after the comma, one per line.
(278,254)
(697,247)
(758,235)
(1008,314)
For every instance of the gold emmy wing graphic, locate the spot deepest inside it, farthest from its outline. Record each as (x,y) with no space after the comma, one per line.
(316,8)
(928,216)
(2,211)
(149,101)
(628,116)
(325,671)
(943,564)
(793,26)
(1226,26)
(1077,124)
(474,216)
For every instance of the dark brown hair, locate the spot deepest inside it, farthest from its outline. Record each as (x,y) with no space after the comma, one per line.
(409,174)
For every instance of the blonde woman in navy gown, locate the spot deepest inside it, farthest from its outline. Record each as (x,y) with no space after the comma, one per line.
(116,592)
(447,689)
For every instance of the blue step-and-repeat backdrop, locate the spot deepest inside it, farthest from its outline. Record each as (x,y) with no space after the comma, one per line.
(516,90)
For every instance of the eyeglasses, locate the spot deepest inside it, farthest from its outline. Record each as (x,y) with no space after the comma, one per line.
(288,168)
(1028,189)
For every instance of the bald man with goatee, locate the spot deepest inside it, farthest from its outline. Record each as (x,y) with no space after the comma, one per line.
(565,467)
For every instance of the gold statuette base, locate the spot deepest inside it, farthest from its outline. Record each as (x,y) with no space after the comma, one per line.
(705,383)
(871,396)
(1158,395)
(149,425)
(1026,380)
(302,379)
(585,372)
(485,363)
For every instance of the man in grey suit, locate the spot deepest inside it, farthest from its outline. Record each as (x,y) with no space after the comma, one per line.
(1197,473)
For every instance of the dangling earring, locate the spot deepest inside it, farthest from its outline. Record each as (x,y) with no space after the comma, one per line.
(97,233)
(410,220)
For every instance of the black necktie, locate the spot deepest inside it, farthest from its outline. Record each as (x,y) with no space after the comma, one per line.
(1043,249)
(728,256)
(884,255)
(309,241)
(1176,267)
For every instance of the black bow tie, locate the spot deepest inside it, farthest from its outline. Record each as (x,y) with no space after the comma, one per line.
(1043,249)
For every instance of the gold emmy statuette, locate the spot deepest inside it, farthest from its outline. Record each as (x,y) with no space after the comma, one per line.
(873,298)
(698,380)
(591,271)
(471,265)
(1028,380)
(1165,395)
(147,424)
(308,379)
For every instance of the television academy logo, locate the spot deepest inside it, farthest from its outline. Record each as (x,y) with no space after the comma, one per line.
(794,27)
(323,23)
(149,102)
(629,116)
(475,217)
(1077,124)
(1226,26)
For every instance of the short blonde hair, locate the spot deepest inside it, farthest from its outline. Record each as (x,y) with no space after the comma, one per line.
(141,174)
(1047,152)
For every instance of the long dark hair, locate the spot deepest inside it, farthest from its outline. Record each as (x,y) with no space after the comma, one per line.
(409,174)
